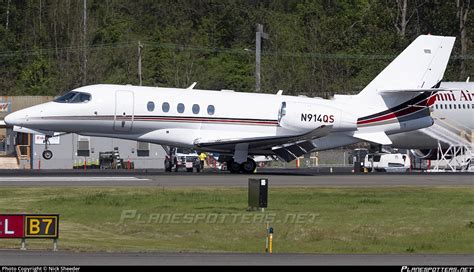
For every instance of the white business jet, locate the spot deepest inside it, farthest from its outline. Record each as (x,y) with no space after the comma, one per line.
(243,124)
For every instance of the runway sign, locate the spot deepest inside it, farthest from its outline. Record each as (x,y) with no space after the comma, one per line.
(41,226)
(29,226)
(11,226)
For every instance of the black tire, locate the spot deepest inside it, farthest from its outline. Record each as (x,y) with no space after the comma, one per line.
(233,167)
(168,166)
(47,154)
(248,167)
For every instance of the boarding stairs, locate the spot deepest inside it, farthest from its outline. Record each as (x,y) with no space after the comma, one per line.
(459,156)
(9,163)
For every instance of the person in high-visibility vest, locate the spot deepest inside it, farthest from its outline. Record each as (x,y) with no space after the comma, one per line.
(202,157)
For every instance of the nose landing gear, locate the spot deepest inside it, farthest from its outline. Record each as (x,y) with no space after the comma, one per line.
(47,154)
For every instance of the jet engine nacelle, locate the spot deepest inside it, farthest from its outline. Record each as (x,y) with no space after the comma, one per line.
(301,116)
(429,154)
(424,154)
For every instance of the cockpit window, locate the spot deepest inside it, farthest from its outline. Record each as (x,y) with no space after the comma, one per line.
(74,97)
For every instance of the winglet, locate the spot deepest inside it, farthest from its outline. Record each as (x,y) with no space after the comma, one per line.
(374,137)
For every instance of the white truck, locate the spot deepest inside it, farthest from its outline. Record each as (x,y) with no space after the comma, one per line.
(387,162)
(182,158)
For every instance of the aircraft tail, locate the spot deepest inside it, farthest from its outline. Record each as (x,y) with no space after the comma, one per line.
(420,66)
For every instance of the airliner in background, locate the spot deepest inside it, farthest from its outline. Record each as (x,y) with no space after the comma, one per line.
(453,114)
(243,124)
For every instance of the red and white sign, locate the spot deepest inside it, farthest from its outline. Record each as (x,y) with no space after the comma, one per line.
(11,226)
(40,138)
(4,106)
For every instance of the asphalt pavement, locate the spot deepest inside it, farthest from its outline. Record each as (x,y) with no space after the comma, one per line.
(17,257)
(210,179)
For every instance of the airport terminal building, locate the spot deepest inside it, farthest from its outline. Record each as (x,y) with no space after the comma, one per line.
(24,151)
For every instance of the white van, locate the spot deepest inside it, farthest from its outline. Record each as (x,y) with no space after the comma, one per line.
(387,162)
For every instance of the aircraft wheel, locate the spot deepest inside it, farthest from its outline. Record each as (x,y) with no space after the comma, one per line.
(249,166)
(47,154)
(233,167)
(168,165)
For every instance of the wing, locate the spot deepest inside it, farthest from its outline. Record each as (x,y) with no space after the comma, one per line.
(264,142)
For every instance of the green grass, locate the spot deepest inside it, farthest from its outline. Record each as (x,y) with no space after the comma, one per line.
(319,220)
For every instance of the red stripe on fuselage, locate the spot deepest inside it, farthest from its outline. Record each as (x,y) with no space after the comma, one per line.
(168,119)
(205,120)
(402,112)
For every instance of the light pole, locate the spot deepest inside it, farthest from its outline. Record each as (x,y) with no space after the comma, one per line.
(258,50)
(140,47)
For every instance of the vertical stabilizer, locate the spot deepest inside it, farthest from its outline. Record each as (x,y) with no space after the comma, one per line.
(420,66)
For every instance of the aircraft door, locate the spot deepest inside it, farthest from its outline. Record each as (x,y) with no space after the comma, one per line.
(124,104)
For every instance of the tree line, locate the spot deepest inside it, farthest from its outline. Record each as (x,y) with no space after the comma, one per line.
(316,48)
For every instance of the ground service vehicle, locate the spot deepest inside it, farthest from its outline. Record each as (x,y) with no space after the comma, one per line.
(179,158)
(387,162)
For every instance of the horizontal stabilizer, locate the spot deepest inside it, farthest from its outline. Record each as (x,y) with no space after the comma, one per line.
(374,137)
(384,92)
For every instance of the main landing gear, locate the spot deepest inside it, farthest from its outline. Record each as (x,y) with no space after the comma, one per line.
(246,167)
(47,154)
(240,163)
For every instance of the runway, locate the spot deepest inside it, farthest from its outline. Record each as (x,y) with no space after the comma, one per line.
(67,179)
(206,179)
(12,257)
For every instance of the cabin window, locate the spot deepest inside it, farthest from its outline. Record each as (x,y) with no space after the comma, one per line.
(195,108)
(454,106)
(463,106)
(74,97)
(210,110)
(180,107)
(165,107)
(150,106)
(450,107)
(436,106)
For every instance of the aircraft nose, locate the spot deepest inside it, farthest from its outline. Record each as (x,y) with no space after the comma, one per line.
(15,118)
